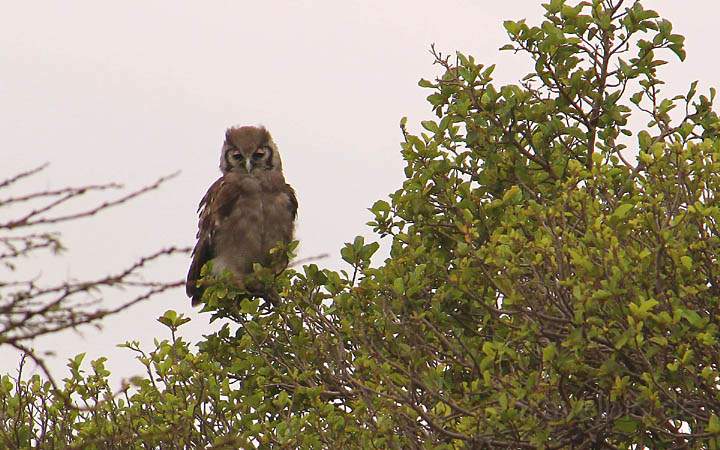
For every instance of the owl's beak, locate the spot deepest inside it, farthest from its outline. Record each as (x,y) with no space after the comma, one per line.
(248,165)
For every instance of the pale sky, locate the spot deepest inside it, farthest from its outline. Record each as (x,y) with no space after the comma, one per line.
(129,91)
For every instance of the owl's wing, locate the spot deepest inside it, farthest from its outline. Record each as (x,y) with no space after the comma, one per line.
(293,200)
(215,206)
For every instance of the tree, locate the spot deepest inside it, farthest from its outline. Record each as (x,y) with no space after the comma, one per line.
(552,281)
(31,308)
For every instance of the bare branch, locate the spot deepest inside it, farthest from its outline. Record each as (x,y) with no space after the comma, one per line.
(35,217)
(31,308)
(21,175)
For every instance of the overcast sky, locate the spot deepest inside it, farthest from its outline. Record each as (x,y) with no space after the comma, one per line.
(128,91)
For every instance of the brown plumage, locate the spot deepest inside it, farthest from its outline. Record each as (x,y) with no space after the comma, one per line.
(249,210)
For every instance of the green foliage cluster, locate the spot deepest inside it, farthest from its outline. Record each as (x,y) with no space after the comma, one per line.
(544,289)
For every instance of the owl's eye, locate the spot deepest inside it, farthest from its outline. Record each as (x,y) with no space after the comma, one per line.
(259,154)
(237,156)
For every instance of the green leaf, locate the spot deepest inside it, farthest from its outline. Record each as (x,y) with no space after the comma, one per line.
(549,353)
(425,84)
(713,425)
(692,317)
(398,286)
(626,424)
(512,195)
(369,250)
(512,27)
(430,126)
(380,206)
(250,306)
(622,211)
(644,140)
(77,360)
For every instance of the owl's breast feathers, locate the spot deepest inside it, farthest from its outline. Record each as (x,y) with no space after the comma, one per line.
(241,218)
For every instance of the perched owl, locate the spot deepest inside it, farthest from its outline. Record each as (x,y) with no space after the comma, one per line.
(249,210)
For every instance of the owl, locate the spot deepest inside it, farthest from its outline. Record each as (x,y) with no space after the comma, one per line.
(248,211)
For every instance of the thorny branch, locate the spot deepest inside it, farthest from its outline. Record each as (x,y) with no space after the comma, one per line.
(30,308)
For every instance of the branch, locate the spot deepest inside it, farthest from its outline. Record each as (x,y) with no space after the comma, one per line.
(21,175)
(67,194)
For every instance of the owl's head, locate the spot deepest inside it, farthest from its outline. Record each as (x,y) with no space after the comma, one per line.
(249,150)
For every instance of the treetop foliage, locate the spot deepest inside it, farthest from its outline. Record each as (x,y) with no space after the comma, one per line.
(552,281)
